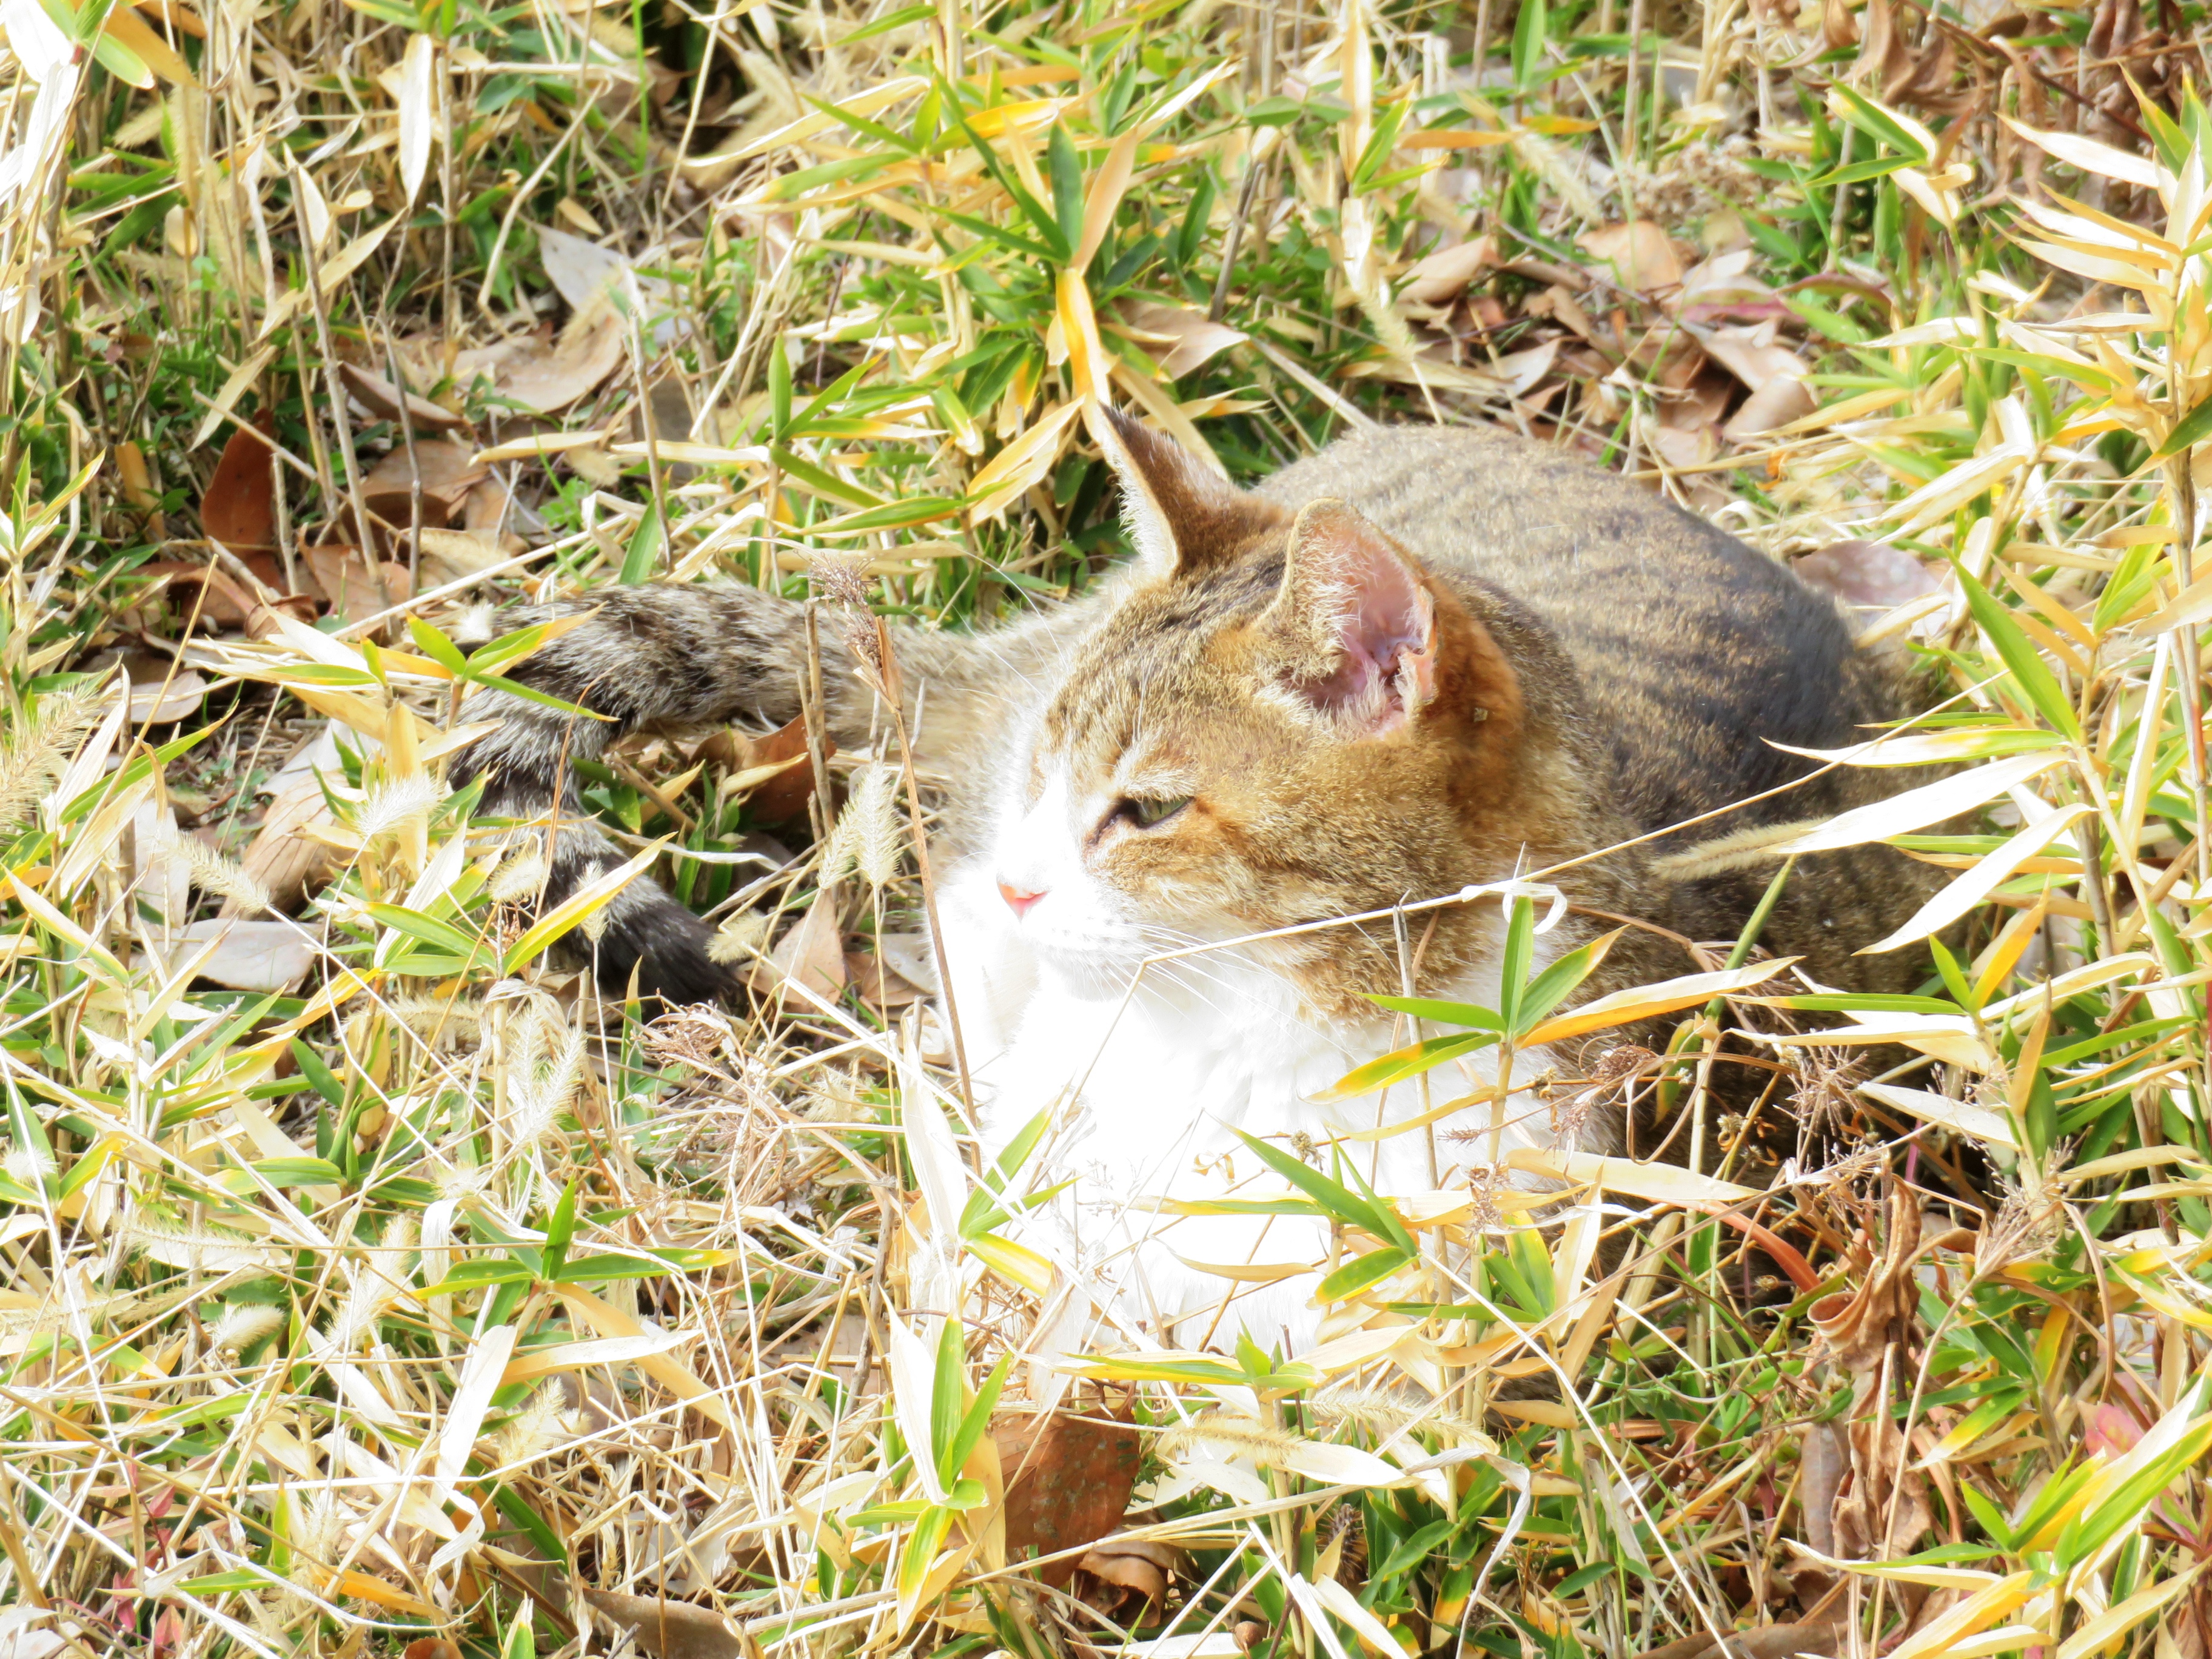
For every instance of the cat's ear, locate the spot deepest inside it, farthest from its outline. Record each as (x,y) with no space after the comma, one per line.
(1179,515)
(1357,621)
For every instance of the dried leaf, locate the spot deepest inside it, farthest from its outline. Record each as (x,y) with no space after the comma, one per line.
(153,702)
(547,379)
(384,400)
(665,1629)
(448,470)
(811,954)
(1008,475)
(1446,274)
(1867,573)
(1192,338)
(1141,1567)
(356,589)
(1776,405)
(784,782)
(1069,1479)
(582,272)
(282,857)
(1641,256)
(248,955)
(239,510)
(1751,355)
(417,111)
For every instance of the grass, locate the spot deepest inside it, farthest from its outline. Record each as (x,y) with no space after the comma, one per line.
(422,1297)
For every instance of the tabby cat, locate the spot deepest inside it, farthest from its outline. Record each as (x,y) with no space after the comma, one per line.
(1422,660)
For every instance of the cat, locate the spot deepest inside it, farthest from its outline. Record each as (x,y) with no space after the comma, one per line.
(1423,659)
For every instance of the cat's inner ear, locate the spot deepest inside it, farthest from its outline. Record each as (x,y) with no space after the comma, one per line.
(1360,622)
(1179,515)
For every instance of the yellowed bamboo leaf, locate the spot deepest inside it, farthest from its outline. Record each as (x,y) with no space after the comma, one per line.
(1087,361)
(1644,1001)
(1916,808)
(2098,267)
(2089,155)
(1963,1117)
(1250,1272)
(131,31)
(1976,1613)
(671,1373)
(1008,476)
(419,114)
(538,446)
(1990,872)
(577,1356)
(1105,196)
(1657,1184)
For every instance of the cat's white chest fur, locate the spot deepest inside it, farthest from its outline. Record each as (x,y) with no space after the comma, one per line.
(1148,1088)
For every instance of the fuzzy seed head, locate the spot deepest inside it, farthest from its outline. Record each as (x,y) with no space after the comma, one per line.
(239,1327)
(211,872)
(389,806)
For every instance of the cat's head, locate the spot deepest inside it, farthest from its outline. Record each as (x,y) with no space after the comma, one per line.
(1285,717)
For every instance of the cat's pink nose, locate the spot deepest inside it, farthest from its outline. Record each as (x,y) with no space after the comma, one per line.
(1017,900)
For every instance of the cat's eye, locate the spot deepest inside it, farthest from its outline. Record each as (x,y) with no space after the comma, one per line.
(1146,813)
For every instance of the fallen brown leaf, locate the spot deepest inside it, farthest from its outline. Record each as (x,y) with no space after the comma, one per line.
(239,508)
(228,604)
(878,984)
(781,799)
(1139,1568)
(1069,1479)
(1641,256)
(1752,355)
(248,955)
(383,399)
(1768,1642)
(449,471)
(544,378)
(356,589)
(811,954)
(1192,338)
(281,859)
(668,1630)
(1446,274)
(1867,573)
(1782,399)
(166,700)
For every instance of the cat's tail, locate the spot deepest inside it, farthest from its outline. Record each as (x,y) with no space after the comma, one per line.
(705,655)
(685,655)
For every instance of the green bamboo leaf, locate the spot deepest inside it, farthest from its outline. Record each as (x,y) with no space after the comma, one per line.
(644,550)
(2192,430)
(1444,1013)
(1878,123)
(436,646)
(2025,663)
(299,1172)
(969,1433)
(1402,1063)
(1513,966)
(429,929)
(1066,186)
(1560,981)
(948,1394)
(1528,34)
(557,923)
(1361,1272)
(779,390)
(1338,1199)
(2125,1506)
